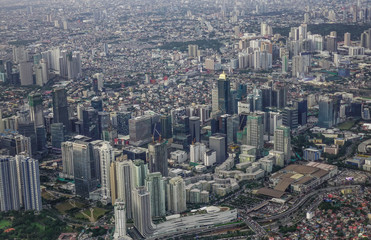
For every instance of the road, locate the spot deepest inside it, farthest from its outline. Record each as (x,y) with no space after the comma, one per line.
(297,205)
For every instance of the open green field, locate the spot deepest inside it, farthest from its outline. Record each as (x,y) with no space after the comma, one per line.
(86,214)
(67,205)
(346,125)
(5,223)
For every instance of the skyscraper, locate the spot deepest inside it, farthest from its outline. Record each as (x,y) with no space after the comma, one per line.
(120,220)
(142,212)
(106,156)
(218,142)
(35,102)
(176,195)
(123,122)
(156,188)
(166,127)
(30,178)
(9,188)
(224,101)
(326,113)
(25,73)
(157,157)
(290,117)
(282,141)
(140,171)
(60,107)
(347,41)
(67,159)
(84,164)
(57,134)
(124,185)
(90,123)
(194,129)
(255,131)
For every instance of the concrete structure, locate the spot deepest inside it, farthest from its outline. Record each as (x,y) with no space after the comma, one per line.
(142,212)
(176,195)
(156,187)
(157,157)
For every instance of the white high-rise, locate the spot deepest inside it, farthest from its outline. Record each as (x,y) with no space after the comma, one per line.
(176,195)
(106,155)
(67,159)
(30,180)
(124,185)
(120,220)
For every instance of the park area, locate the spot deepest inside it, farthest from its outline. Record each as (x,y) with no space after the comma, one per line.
(91,214)
(347,125)
(67,205)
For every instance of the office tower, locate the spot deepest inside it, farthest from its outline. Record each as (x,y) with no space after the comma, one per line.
(290,117)
(302,107)
(224,101)
(326,113)
(156,187)
(331,44)
(57,134)
(176,195)
(120,220)
(25,73)
(41,138)
(193,51)
(106,157)
(214,100)
(282,141)
(157,157)
(194,129)
(20,54)
(60,107)
(123,122)
(347,41)
(140,130)
(197,151)
(41,72)
(74,65)
(97,103)
(279,97)
(104,123)
(63,69)
(30,177)
(85,167)
(255,131)
(166,127)
(113,181)
(142,212)
(139,172)
(35,102)
(90,123)
(285,64)
(67,159)
(134,153)
(363,42)
(218,142)
(9,188)
(124,183)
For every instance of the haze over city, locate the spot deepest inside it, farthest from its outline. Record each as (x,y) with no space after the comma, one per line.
(185,119)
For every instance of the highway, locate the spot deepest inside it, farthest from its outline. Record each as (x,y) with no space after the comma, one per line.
(297,205)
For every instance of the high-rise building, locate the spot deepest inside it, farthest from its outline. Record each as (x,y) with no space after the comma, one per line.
(74,65)
(60,107)
(139,172)
(85,166)
(106,157)
(120,220)
(176,195)
(67,159)
(157,157)
(90,123)
(255,131)
(197,151)
(192,51)
(9,188)
(57,135)
(156,187)
(35,102)
(347,41)
(326,113)
(194,129)
(123,122)
(25,73)
(140,130)
(142,211)
(282,141)
(166,127)
(302,107)
(30,180)
(224,99)
(290,117)
(218,142)
(124,183)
